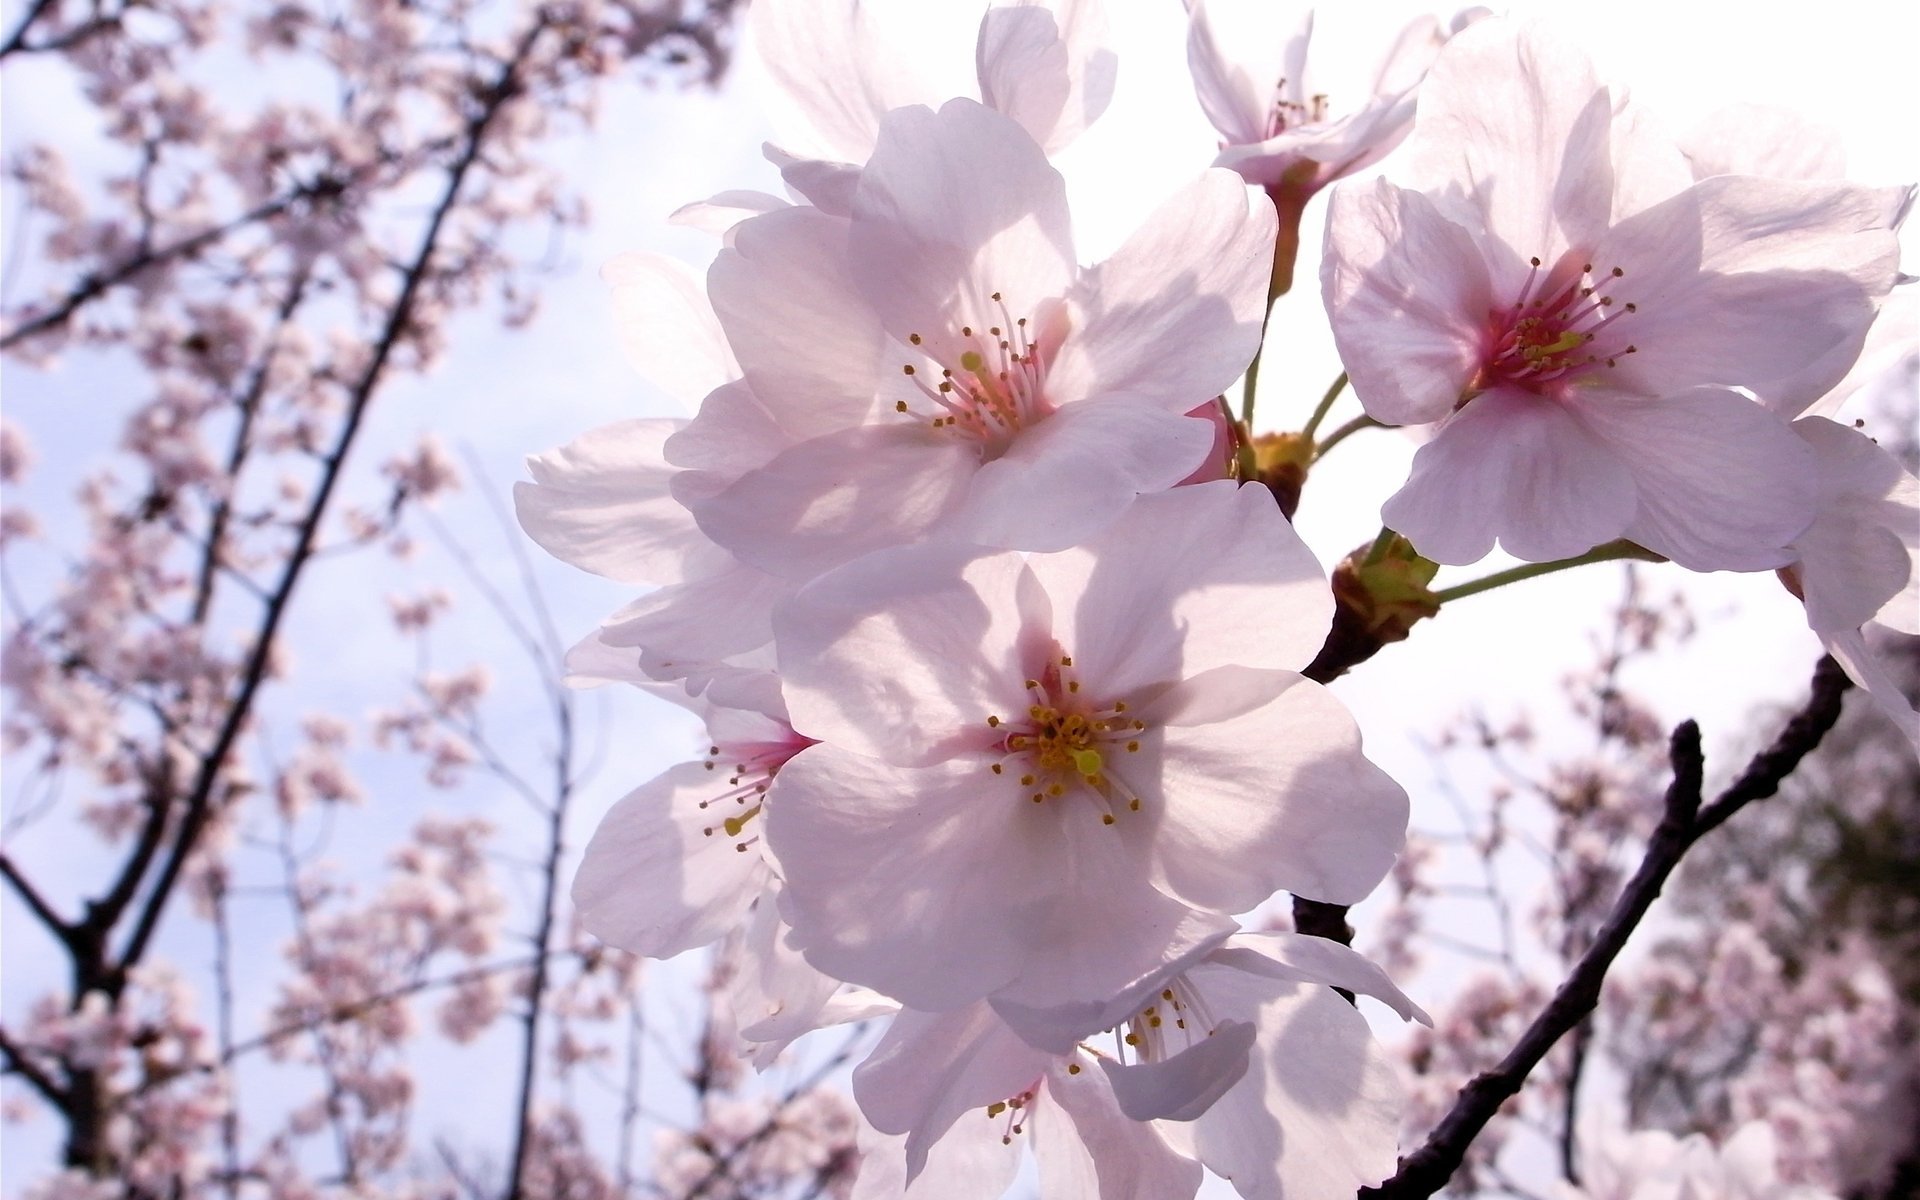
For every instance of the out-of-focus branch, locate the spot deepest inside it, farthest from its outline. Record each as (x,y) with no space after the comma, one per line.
(94,285)
(1684,822)
(57,925)
(212,555)
(17,40)
(349,1012)
(19,1064)
(722,1169)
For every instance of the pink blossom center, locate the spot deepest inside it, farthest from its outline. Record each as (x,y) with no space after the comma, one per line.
(1559,328)
(989,384)
(1065,742)
(753,766)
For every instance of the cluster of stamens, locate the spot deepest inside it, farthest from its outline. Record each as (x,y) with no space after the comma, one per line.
(1288,113)
(748,779)
(1547,336)
(1064,741)
(991,389)
(1176,1019)
(1014,1108)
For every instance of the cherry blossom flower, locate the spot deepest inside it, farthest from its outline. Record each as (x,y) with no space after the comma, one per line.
(1277,121)
(1043,778)
(677,863)
(1237,1055)
(937,363)
(1569,311)
(843,65)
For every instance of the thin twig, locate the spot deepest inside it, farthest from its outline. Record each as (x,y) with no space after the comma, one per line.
(1427,1169)
(56,924)
(19,1064)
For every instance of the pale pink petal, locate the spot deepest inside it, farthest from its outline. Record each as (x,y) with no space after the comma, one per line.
(734,432)
(843,64)
(1513,116)
(1277,797)
(689,629)
(662,874)
(828,186)
(591,662)
(1303,959)
(933,1068)
(1889,360)
(1864,665)
(1319,1109)
(1764,139)
(1722,483)
(970,1161)
(836,497)
(776,997)
(602,503)
(719,213)
(1520,468)
(1759,283)
(1185,581)
(1858,555)
(666,327)
(905,654)
(1407,293)
(1332,148)
(806,341)
(1046,64)
(1022,64)
(1061,1028)
(1065,479)
(953,207)
(1182,1087)
(1175,314)
(1103,928)
(1087,1147)
(1239,51)
(929,884)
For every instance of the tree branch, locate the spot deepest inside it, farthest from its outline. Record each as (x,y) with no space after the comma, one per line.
(1684,822)
(19,1064)
(56,924)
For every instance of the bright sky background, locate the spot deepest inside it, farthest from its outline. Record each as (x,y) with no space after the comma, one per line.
(500,397)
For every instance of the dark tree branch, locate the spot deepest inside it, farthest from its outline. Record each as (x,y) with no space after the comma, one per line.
(1427,1169)
(57,925)
(19,1064)
(96,284)
(17,40)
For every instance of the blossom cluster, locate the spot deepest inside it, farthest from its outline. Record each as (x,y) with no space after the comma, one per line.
(1010,666)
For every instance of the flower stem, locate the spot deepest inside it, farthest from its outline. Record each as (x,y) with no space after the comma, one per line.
(1326,402)
(1378,550)
(1344,432)
(1252,380)
(1610,552)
